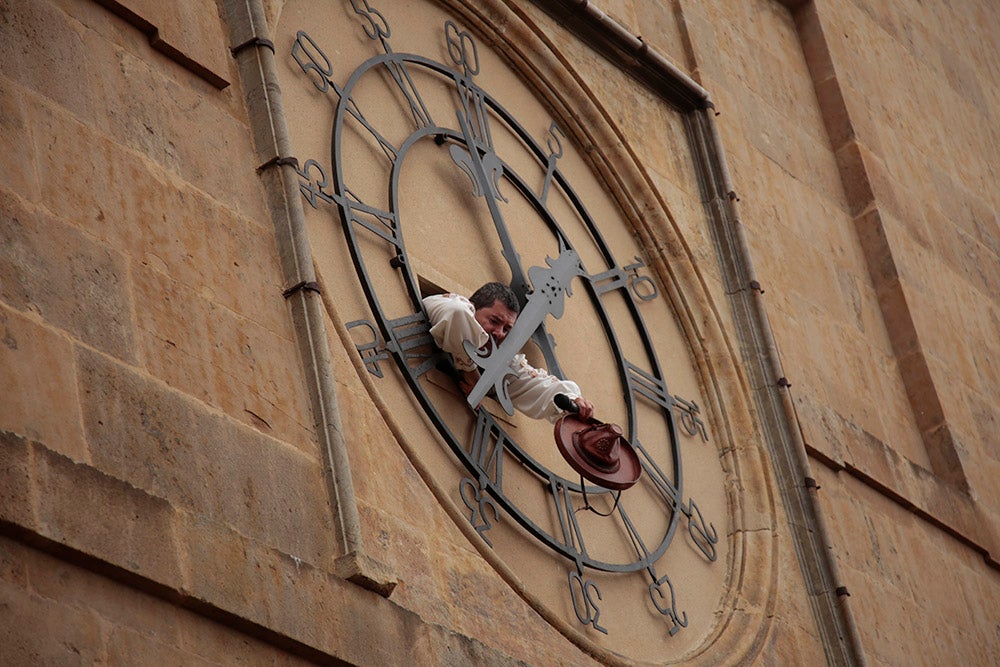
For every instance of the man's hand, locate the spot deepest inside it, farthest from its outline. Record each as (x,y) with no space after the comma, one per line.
(579,406)
(467,381)
(585,407)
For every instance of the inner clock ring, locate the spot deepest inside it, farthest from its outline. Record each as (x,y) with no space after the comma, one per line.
(396,343)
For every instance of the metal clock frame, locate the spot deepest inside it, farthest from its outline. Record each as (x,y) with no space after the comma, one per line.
(405,338)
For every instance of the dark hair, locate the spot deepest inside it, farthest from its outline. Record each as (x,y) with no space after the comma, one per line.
(490,292)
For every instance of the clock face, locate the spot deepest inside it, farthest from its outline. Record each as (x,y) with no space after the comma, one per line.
(446,172)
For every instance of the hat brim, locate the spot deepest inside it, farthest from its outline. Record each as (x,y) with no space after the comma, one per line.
(628,471)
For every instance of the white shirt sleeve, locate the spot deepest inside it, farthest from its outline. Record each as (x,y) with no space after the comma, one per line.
(453,321)
(532,390)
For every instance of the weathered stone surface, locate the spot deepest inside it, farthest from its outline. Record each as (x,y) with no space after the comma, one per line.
(159,115)
(169,445)
(148,366)
(192,35)
(17,173)
(42,50)
(37,371)
(18,507)
(103,618)
(73,283)
(46,632)
(135,532)
(189,340)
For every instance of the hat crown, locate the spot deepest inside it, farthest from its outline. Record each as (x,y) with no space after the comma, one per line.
(600,445)
(598,451)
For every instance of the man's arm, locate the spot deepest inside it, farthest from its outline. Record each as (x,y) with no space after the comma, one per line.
(453,322)
(533,392)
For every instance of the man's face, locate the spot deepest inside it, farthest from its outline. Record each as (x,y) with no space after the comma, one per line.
(497,320)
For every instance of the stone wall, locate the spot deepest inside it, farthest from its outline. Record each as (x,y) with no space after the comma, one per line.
(164,494)
(861,140)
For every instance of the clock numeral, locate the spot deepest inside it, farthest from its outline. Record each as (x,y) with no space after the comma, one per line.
(488,445)
(313,186)
(317,66)
(473,116)
(476,126)
(657,595)
(460,47)
(670,493)
(480,505)
(418,110)
(608,281)
(373,351)
(491,166)
(387,147)
(656,587)
(637,542)
(381,223)
(688,412)
(648,291)
(704,537)
(411,339)
(555,152)
(643,383)
(312,60)
(582,592)
(376,27)
(628,276)
(572,535)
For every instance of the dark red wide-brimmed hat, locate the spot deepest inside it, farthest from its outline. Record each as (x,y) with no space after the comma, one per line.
(598,451)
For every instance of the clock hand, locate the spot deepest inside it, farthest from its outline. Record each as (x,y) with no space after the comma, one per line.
(552,286)
(487,187)
(474,165)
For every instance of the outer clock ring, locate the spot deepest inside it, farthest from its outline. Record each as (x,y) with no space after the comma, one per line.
(394,343)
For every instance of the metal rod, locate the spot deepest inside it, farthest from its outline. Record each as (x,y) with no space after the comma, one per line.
(248,25)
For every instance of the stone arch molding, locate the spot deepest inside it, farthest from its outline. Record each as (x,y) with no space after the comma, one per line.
(742,616)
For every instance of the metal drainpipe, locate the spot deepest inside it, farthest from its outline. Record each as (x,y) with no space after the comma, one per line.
(639,48)
(254,53)
(765,344)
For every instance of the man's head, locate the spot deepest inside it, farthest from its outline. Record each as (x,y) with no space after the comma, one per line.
(496,309)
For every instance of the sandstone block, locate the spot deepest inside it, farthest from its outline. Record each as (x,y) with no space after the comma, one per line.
(46,632)
(41,49)
(293,597)
(410,553)
(135,532)
(852,161)
(17,164)
(174,125)
(176,448)
(128,647)
(14,562)
(70,584)
(220,571)
(191,36)
(232,362)
(16,502)
(37,372)
(70,152)
(72,282)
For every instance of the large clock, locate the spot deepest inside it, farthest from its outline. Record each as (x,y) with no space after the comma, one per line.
(445,171)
